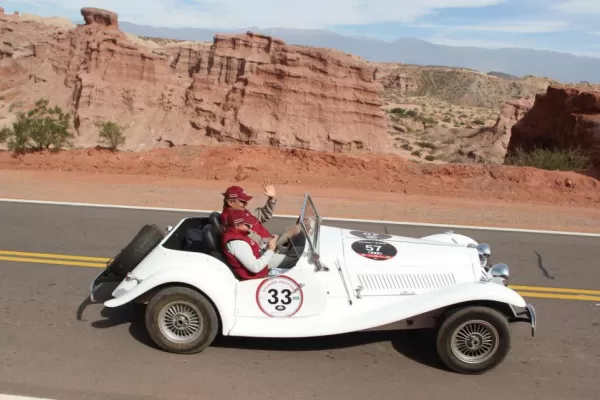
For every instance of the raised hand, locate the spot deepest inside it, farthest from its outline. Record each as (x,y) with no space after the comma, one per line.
(268,188)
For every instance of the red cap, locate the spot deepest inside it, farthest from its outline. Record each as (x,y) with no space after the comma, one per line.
(236,192)
(236,217)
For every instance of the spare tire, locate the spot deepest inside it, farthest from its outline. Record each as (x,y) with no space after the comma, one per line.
(143,243)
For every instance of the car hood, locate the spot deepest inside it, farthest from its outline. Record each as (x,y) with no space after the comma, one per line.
(393,264)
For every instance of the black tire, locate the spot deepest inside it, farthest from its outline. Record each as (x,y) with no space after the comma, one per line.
(139,247)
(207,316)
(485,318)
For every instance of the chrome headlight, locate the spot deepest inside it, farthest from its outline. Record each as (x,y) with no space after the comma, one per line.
(500,271)
(484,253)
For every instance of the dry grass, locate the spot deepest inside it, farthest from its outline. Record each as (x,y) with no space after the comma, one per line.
(550,159)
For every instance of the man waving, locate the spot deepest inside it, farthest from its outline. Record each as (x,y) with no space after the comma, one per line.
(235,198)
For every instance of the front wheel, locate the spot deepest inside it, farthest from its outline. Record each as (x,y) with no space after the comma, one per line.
(181,320)
(473,340)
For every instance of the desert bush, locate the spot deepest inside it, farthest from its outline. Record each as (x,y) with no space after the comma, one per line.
(549,159)
(41,128)
(429,157)
(478,122)
(4,133)
(427,145)
(398,111)
(110,134)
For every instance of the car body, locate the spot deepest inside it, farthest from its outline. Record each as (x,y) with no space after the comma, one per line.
(345,280)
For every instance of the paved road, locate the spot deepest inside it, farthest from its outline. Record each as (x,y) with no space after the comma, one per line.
(48,352)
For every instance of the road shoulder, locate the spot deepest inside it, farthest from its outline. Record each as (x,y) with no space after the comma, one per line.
(150,191)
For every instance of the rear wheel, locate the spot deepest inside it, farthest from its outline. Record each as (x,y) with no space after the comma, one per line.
(139,247)
(473,340)
(181,320)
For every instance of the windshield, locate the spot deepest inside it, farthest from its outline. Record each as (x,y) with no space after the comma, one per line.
(310,220)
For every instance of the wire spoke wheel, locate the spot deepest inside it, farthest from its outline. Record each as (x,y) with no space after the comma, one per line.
(475,341)
(180,321)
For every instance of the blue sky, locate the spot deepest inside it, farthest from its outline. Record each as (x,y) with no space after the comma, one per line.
(562,25)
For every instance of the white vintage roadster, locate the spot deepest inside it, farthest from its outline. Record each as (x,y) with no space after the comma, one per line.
(343,281)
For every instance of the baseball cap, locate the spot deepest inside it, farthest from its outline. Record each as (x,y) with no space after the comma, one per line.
(238,217)
(236,192)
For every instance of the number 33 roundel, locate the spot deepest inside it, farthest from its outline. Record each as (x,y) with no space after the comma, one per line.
(279,296)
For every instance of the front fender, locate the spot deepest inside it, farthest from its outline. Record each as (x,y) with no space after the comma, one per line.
(218,284)
(413,305)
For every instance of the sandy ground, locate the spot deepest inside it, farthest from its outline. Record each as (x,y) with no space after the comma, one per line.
(152,191)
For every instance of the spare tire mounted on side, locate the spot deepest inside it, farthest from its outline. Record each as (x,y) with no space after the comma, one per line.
(143,243)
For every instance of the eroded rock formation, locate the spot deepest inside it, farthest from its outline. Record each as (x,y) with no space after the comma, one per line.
(248,88)
(511,112)
(562,118)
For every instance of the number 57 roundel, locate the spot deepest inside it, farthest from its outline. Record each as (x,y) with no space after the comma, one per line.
(279,296)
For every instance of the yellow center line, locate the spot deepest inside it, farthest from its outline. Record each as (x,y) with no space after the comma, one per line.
(56,262)
(560,296)
(100,262)
(49,255)
(558,290)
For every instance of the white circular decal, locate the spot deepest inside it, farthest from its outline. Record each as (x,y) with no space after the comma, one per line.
(279,296)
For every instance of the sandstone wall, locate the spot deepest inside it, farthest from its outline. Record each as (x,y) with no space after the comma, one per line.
(561,118)
(248,88)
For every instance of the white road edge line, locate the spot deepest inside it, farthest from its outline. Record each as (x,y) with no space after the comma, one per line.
(14,397)
(375,221)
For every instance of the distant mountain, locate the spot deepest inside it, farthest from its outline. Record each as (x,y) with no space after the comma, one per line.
(563,67)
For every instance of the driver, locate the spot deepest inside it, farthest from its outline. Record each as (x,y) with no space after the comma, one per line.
(243,254)
(235,198)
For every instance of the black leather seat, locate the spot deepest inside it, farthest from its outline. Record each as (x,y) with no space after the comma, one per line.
(215,220)
(211,241)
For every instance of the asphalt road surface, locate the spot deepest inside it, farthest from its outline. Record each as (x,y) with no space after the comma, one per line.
(53,346)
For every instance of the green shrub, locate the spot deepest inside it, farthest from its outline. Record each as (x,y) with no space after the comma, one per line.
(4,134)
(427,145)
(398,111)
(41,128)
(553,160)
(111,134)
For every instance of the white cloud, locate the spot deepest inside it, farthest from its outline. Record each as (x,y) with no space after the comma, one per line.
(261,13)
(584,7)
(526,26)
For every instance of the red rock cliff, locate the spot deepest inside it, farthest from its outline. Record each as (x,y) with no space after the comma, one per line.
(244,88)
(561,118)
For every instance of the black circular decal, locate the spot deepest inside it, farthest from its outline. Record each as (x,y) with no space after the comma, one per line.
(374,249)
(370,235)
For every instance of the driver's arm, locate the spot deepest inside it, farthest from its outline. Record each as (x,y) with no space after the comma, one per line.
(265,213)
(288,234)
(243,252)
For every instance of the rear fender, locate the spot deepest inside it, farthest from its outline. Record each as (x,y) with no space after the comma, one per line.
(217,283)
